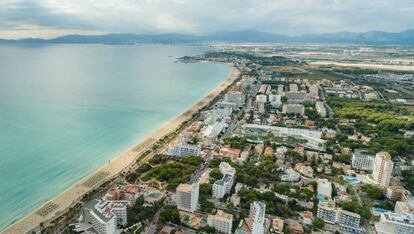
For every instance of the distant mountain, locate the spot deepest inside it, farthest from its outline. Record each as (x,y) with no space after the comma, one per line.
(246,36)
(373,37)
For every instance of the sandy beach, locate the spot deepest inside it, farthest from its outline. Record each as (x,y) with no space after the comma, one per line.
(122,162)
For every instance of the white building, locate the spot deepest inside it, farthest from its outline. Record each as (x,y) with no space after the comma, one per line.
(261,101)
(213,130)
(257,217)
(275,100)
(280,89)
(325,188)
(182,150)
(395,223)
(348,222)
(293,88)
(313,137)
(104,216)
(187,197)
(223,186)
(327,211)
(403,207)
(235,97)
(293,109)
(290,175)
(320,108)
(362,161)
(314,90)
(382,168)
(221,221)
(296,97)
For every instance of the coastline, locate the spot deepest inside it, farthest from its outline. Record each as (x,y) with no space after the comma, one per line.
(58,205)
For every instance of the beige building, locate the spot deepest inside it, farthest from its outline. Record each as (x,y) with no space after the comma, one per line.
(382,168)
(221,221)
(187,197)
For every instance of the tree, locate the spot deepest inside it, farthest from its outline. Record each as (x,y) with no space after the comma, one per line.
(318,223)
(372,191)
(170,214)
(208,229)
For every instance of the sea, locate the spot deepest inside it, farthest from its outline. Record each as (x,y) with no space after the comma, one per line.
(67,109)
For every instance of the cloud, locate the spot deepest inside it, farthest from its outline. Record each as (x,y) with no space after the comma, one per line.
(294,17)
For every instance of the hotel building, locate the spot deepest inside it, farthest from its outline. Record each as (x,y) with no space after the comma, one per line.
(182,150)
(104,216)
(187,197)
(221,221)
(313,137)
(362,161)
(257,217)
(382,168)
(395,223)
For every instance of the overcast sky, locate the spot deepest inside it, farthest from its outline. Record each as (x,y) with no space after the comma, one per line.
(47,18)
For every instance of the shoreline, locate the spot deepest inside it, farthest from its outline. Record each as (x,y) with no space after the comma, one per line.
(122,162)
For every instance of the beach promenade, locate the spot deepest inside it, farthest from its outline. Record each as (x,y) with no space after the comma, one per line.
(123,162)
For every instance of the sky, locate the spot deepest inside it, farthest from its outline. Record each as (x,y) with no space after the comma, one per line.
(51,18)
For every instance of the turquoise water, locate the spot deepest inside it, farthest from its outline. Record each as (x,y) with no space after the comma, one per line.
(65,110)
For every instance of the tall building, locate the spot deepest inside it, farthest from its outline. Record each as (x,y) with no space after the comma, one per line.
(261,101)
(362,161)
(320,108)
(295,97)
(395,223)
(327,212)
(235,97)
(280,89)
(223,186)
(182,150)
(275,100)
(382,168)
(104,216)
(314,90)
(293,109)
(187,197)
(349,222)
(257,217)
(221,221)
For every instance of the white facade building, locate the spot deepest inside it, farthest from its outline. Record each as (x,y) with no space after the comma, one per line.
(296,97)
(313,137)
(320,108)
(314,90)
(393,223)
(187,197)
(235,97)
(257,217)
(293,109)
(221,221)
(104,216)
(348,222)
(223,186)
(382,168)
(275,100)
(182,150)
(362,161)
